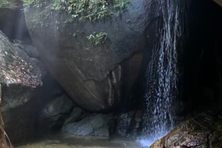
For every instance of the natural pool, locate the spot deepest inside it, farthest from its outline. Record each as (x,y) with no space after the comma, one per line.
(82,143)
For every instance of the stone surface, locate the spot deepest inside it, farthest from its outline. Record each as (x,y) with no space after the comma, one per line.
(31,51)
(91,125)
(93,75)
(56,111)
(76,115)
(129,124)
(27,111)
(27,92)
(12,21)
(202,131)
(16,66)
(124,122)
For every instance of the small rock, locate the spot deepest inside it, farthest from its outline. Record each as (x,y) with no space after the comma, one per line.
(60,105)
(124,123)
(75,115)
(93,125)
(56,111)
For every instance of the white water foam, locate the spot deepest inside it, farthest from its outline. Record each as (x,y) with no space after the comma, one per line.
(162,78)
(148,141)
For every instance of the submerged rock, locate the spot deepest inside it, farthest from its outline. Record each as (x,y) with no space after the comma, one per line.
(202,131)
(92,59)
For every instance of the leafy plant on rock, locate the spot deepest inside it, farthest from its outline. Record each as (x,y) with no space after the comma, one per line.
(91,10)
(97,38)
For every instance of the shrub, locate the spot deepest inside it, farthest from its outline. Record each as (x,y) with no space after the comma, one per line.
(97,38)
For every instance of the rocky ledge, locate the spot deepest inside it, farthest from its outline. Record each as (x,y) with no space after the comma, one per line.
(202,131)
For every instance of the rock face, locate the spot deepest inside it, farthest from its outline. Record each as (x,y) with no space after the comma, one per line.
(16,67)
(92,72)
(203,131)
(54,113)
(31,99)
(20,76)
(12,21)
(26,111)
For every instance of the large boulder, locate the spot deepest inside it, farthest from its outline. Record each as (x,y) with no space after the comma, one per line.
(202,131)
(12,21)
(16,66)
(55,111)
(31,99)
(21,76)
(92,54)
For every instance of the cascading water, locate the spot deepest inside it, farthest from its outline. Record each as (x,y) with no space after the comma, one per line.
(162,76)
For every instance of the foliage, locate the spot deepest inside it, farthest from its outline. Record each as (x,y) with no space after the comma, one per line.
(35,3)
(79,10)
(28,2)
(97,38)
(91,10)
(4,3)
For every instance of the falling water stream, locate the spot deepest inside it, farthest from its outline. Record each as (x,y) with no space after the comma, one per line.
(162,76)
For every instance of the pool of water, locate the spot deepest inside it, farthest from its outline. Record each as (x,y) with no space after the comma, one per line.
(82,143)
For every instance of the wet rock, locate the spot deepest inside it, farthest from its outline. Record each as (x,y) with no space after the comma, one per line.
(124,122)
(16,66)
(128,124)
(18,113)
(21,78)
(56,111)
(31,51)
(26,90)
(76,115)
(12,21)
(93,75)
(92,125)
(22,109)
(202,131)
(60,105)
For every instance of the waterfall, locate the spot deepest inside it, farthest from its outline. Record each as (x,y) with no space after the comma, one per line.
(162,76)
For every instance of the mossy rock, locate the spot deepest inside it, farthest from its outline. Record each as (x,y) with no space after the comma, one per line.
(12,4)
(15,65)
(92,60)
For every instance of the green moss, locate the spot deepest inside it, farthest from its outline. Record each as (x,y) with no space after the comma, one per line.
(28,2)
(97,38)
(78,10)
(4,3)
(91,10)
